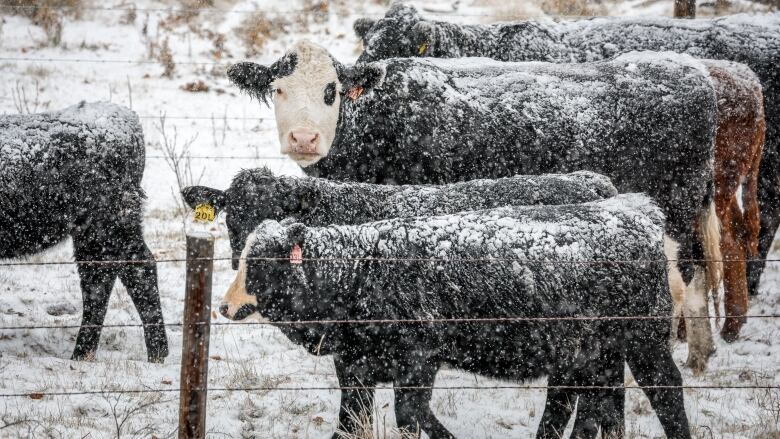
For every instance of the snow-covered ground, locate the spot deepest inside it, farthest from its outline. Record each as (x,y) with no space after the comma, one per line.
(220,122)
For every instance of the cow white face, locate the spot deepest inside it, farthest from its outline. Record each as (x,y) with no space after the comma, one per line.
(306,104)
(237,304)
(307,87)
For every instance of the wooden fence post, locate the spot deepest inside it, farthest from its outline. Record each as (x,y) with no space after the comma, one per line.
(685,8)
(195,336)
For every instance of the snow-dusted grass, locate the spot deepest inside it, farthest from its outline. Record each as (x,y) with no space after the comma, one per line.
(254,356)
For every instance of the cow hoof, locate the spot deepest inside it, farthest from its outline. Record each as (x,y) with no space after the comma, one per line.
(158,356)
(85,356)
(697,364)
(730,331)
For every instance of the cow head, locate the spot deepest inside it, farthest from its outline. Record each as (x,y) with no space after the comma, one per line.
(401,33)
(267,278)
(307,87)
(254,195)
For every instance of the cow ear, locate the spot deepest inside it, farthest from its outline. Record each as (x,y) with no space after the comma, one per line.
(360,78)
(195,195)
(424,38)
(253,79)
(362,26)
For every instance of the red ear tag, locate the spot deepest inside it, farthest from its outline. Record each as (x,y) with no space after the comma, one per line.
(355,92)
(296,255)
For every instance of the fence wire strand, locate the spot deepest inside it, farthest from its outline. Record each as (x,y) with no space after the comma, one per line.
(314,10)
(387,260)
(39,395)
(440,321)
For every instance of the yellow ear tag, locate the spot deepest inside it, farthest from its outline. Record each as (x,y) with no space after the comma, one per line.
(204,213)
(423,47)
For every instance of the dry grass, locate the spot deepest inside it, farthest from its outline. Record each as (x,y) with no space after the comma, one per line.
(257,29)
(515,11)
(365,428)
(165,57)
(572,8)
(48,14)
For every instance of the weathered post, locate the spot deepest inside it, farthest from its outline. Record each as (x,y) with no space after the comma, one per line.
(685,8)
(195,336)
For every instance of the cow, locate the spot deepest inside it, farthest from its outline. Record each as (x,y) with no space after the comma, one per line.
(538,286)
(645,120)
(752,40)
(77,173)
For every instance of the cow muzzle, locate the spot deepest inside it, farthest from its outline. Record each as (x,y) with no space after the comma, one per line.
(237,304)
(243,312)
(303,143)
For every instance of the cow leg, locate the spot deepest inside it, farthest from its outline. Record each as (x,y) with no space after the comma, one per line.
(357,401)
(412,406)
(698,329)
(752,220)
(97,280)
(650,359)
(140,279)
(734,274)
(604,404)
(769,202)
(558,407)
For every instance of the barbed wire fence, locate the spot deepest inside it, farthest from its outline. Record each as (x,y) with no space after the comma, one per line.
(428,321)
(35,394)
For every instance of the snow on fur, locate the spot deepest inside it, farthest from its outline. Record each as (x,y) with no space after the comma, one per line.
(550,275)
(752,40)
(77,172)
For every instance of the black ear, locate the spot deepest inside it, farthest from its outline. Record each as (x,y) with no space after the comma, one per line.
(194,195)
(362,26)
(296,234)
(253,79)
(423,37)
(360,78)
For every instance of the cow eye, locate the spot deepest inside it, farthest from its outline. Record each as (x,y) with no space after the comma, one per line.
(278,91)
(330,93)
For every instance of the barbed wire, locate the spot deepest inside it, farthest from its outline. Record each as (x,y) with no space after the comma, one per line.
(389,260)
(108,61)
(222,157)
(39,395)
(356,322)
(314,10)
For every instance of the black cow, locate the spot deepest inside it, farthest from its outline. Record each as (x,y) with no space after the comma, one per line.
(77,172)
(424,268)
(752,40)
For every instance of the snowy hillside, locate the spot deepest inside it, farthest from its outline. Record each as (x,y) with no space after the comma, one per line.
(169,67)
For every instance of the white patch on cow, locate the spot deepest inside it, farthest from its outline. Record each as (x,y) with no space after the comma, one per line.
(236,295)
(676,284)
(299,104)
(690,302)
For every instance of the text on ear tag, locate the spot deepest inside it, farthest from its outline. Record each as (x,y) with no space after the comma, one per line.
(355,93)
(423,47)
(296,255)
(204,213)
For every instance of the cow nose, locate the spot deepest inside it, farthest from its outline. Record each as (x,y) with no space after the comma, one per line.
(303,141)
(223,309)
